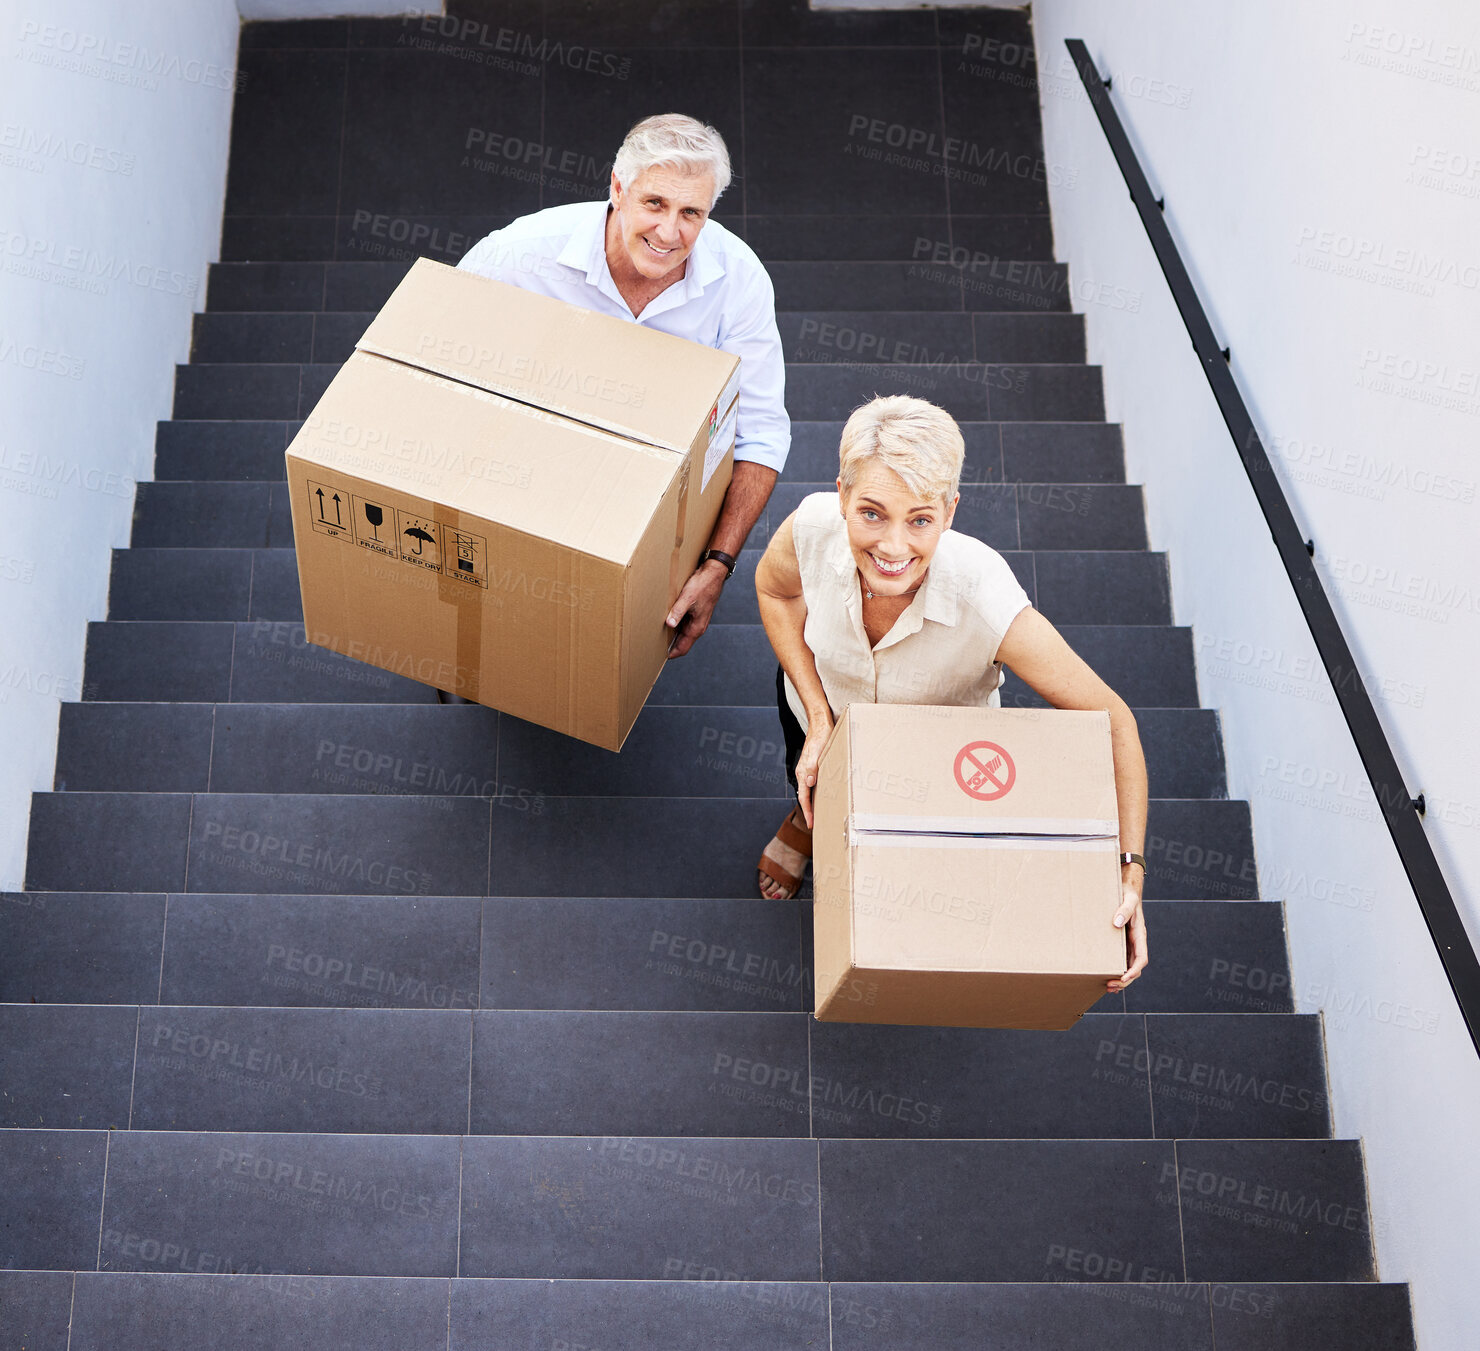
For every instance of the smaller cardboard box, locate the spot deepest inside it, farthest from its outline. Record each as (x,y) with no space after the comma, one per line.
(501,495)
(966,867)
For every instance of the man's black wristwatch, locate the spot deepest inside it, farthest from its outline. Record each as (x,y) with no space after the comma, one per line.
(721,556)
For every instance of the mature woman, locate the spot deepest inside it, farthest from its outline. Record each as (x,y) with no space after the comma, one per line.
(868,596)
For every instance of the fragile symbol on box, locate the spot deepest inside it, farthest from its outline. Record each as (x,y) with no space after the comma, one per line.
(465,556)
(984,771)
(375,526)
(329,509)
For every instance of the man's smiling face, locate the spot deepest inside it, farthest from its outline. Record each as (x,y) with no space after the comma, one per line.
(657,218)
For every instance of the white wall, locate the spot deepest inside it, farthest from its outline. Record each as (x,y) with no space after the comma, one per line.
(322,9)
(1321,172)
(114,127)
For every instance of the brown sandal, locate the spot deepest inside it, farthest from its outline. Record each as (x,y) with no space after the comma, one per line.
(784,860)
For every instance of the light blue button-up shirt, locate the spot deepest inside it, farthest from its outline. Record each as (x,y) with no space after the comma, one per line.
(725,300)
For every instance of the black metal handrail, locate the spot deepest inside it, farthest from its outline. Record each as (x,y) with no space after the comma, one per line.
(1400,810)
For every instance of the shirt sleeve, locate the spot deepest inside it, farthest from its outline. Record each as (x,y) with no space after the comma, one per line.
(481,258)
(763,434)
(515,258)
(997,597)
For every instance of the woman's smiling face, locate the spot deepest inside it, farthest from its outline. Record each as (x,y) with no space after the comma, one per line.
(892,531)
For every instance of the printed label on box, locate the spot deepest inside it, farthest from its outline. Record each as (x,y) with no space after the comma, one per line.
(465,556)
(719,443)
(328,509)
(375,526)
(420,540)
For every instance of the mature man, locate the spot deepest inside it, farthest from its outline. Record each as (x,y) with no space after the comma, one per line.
(652,256)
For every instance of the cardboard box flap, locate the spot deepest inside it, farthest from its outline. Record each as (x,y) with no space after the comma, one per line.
(600,370)
(488,456)
(981,772)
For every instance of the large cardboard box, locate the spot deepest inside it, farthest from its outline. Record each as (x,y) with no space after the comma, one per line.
(500,495)
(966,867)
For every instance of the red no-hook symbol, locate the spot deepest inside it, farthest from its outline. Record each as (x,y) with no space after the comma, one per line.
(984,770)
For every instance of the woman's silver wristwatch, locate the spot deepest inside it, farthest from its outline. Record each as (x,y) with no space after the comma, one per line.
(1134,858)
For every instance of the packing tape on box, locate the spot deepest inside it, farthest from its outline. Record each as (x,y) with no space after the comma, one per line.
(1083,827)
(468,647)
(920,839)
(677,575)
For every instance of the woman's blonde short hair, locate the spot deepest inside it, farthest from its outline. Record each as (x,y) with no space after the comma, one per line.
(917,440)
(675,142)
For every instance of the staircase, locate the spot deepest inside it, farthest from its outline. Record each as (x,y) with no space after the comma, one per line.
(335,1016)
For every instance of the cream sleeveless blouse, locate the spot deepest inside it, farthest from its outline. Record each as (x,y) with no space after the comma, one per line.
(941,650)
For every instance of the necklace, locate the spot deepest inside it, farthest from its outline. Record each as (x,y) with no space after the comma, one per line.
(869,595)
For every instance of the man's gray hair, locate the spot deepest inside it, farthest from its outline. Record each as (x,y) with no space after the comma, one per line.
(673,141)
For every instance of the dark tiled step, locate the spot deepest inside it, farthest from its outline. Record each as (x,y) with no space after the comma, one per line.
(119,1311)
(1142,1305)
(51,1192)
(205,584)
(1013,1210)
(358,287)
(66,1065)
(232,843)
(558,1073)
(962,242)
(266,661)
(1007,516)
(620,1208)
(1149,1307)
(968,390)
(1215,957)
(303,338)
(536,953)
(378,1071)
(438,846)
(38,1308)
(964,1210)
(732,665)
(1262,1210)
(651,847)
(705,1305)
(1013,516)
(931,337)
(1150,667)
(1229,1076)
(996,283)
(314,951)
(575,953)
(214,515)
(80,947)
(471,751)
(1068,586)
(875,130)
(232,450)
(349,1205)
(256,392)
(255,515)
(125,1311)
(159,661)
(1029,452)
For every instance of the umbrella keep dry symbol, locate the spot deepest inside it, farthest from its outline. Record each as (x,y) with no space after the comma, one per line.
(984,770)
